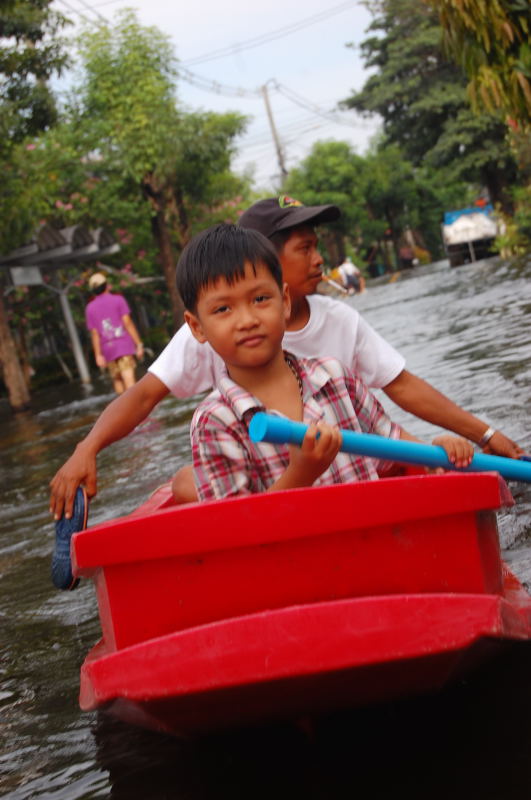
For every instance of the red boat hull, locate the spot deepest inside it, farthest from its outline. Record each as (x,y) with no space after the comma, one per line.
(298,602)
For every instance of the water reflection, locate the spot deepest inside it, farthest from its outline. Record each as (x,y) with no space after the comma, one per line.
(464,330)
(437,747)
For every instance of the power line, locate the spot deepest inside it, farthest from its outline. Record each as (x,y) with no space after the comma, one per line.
(76,11)
(256,41)
(309,106)
(106,3)
(218,88)
(292,128)
(215,87)
(289,121)
(293,135)
(91,8)
(265,38)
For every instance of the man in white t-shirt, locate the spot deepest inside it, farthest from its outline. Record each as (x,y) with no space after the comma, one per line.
(351,276)
(318,326)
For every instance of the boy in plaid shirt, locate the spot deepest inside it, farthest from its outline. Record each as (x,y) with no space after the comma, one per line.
(230,281)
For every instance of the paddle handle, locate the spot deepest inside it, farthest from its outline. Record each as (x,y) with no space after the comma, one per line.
(280,430)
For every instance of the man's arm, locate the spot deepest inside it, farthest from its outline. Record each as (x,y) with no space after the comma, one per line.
(96,346)
(131,329)
(116,421)
(421,399)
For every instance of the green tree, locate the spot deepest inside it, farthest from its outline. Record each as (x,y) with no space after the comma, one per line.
(332,173)
(377,193)
(421,97)
(176,159)
(124,156)
(389,191)
(490,40)
(31,51)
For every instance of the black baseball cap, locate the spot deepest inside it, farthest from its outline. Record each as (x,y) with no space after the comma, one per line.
(278,213)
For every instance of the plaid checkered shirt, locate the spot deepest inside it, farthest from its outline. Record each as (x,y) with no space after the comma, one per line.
(227,463)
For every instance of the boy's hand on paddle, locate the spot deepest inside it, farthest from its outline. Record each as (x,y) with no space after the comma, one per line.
(79,469)
(319,448)
(459,451)
(501,445)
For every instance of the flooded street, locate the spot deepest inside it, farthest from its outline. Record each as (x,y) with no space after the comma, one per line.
(467,331)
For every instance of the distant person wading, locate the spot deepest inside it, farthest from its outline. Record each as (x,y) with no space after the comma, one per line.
(115,339)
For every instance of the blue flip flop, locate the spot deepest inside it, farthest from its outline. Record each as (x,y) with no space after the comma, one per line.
(62,576)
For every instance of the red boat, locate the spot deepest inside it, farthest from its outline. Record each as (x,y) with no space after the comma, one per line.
(297,602)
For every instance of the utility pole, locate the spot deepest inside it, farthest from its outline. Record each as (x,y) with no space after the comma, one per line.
(77,350)
(278,147)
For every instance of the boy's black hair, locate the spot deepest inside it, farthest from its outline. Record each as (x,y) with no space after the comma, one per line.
(222,252)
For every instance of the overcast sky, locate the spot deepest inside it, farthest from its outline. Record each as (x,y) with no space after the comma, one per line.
(312,63)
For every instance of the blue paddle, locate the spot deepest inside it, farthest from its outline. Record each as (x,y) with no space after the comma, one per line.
(279,430)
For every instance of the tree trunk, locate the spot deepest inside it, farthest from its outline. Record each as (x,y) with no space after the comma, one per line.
(24,357)
(340,247)
(19,397)
(159,225)
(496,184)
(162,237)
(334,244)
(390,217)
(178,208)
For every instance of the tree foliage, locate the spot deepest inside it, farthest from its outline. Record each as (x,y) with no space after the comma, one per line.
(121,154)
(421,97)
(490,40)
(176,159)
(128,86)
(377,193)
(125,155)
(31,51)
(331,173)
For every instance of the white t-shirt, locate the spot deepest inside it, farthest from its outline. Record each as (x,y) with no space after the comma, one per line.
(348,268)
(334,329)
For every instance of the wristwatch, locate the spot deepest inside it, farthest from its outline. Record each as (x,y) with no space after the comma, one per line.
(487,436)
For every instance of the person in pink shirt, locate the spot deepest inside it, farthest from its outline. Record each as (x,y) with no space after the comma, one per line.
(115,339)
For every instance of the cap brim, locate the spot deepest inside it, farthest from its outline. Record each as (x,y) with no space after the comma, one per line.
(309,214)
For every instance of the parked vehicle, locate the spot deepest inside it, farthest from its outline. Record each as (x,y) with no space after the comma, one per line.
(469,233)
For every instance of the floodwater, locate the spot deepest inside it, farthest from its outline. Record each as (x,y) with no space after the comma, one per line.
(465,330)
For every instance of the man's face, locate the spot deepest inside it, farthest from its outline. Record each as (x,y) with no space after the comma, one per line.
(301,262)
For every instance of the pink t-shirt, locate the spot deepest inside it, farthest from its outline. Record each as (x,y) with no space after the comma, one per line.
(104,314)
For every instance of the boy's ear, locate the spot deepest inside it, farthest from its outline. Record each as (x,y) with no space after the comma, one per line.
(286,300)
(195,326)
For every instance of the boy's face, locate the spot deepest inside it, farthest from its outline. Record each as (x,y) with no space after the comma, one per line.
(301,262)
(243,322)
